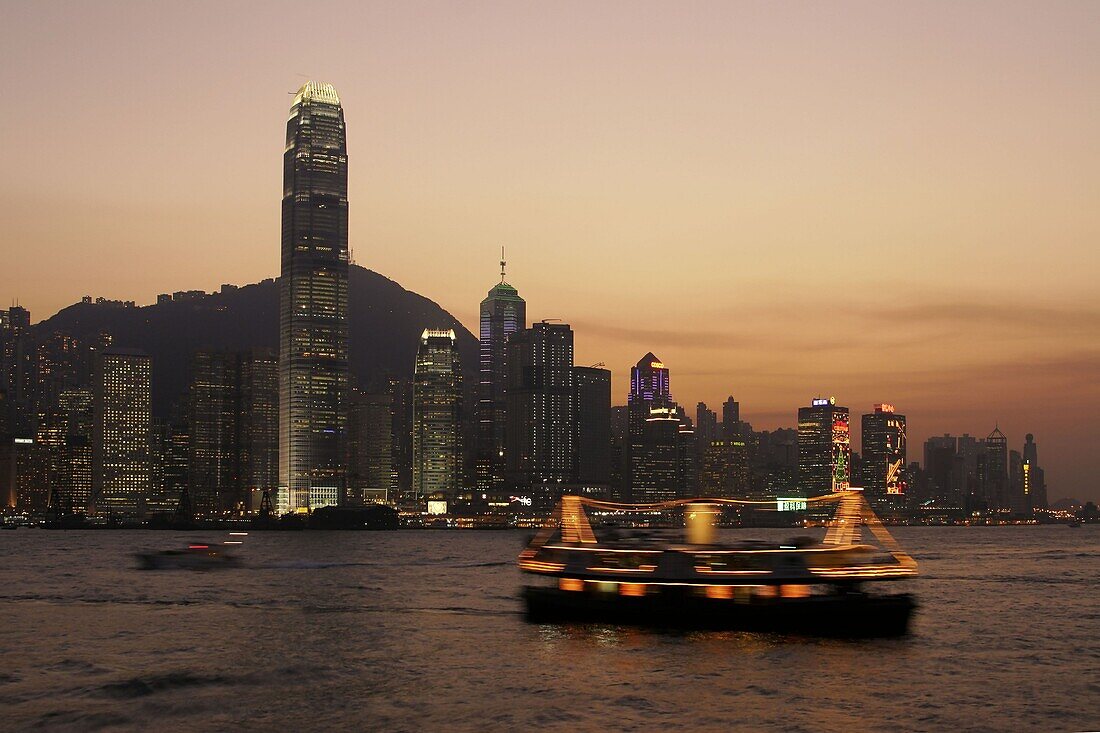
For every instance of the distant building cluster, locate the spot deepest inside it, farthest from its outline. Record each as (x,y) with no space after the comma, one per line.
(289,431)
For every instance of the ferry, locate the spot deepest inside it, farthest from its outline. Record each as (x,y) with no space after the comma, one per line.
(801,586)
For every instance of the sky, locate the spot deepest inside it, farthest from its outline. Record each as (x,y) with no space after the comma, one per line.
(875,201)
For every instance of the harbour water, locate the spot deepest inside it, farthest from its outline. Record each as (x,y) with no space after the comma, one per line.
(423,630)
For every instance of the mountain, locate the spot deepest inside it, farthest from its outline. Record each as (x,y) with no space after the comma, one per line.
(385,324)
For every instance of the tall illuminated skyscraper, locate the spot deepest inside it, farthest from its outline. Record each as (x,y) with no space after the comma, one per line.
(437,416)
(313,303)
(824,448)
(541,449)
(121,431)
(884,455)
(503,313)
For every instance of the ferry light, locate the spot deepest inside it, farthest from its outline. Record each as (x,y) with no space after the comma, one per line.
(724,592)
(632,589)
(571,584)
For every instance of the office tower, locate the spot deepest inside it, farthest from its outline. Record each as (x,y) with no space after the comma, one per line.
(620,427)
(258,427)
(371,475)
(74,467)
(1032,480)
(994,471)
(541,437)
(233,408)
(17,376)
(213,406)
(725,469)
(884,455)
(687,459)
(503,313)
(593,424)
(824,450)
(649,382)
(651,452)
(313,303)
(731,419)
(122,430)
(655,457)
(171,453)
(706,427)
(437,416)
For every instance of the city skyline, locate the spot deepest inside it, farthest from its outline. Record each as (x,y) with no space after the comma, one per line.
(978,316)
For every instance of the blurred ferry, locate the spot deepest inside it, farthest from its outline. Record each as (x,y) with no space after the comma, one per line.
(196,556)
(799,586)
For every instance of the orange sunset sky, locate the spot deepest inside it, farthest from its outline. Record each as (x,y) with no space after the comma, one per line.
(879,201)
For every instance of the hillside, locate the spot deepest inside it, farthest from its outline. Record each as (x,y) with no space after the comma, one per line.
(386,322)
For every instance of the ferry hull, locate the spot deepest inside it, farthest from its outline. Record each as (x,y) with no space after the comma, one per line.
(846,615)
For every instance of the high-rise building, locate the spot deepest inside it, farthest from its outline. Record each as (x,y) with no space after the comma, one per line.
(233,409)
(1033,479)
(652,464)
(372,478)
(437,416)
(503,313)
(824,447)
(122,431)
(993,470)
(725,469)
(74,467)
(593,422)
(171,453)
(884,455)
(731,419)
(313,303)
(706,427)
(541,437)
(655,457)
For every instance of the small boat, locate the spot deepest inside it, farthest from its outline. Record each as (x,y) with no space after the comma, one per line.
(195,557)
(801,586)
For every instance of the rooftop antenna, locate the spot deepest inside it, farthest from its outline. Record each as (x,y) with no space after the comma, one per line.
(503,262)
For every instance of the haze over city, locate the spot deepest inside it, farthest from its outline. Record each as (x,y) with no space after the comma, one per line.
(877,203)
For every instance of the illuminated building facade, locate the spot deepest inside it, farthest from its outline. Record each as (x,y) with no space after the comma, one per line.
(437,417)
(503,312)
(993,471)
(884,455)
(121,431)
(541,439)
(74,467)
(724,473)
(1032,478)
(371,475)
(824,447)
(233,411)
(313,303)
(593,422)
(652,455)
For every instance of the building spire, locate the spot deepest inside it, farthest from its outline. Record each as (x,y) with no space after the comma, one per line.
(503,262)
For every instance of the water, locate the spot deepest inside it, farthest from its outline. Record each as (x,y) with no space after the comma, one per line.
(421,630)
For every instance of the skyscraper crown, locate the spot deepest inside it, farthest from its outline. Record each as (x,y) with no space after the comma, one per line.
(313,91)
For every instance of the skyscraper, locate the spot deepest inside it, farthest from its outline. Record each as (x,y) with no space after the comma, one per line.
(437,416)
(541,448)
(824,448)
(121,431)
(706,428)
(313,303)
(233,407)
(652,454)
(1033,481)
(994,470)
(883,453)
(503,313)
(371,473)
(593,421)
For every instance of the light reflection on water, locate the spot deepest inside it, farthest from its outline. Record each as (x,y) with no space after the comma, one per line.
(423,630)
